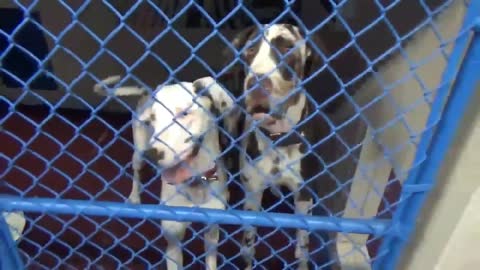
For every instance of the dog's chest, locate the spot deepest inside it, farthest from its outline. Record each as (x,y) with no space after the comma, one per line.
(264,164)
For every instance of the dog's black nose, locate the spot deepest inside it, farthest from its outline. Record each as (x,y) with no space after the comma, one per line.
(153,154)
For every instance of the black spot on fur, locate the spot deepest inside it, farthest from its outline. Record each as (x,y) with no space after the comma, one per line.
(252,146)
(152,117)
(215,111)
(305,111)
(276,160)
(303,194)
(151,154)
(207,95)
(249,241)
(201,89)
(304,246)
(274,171)
(161,155)
(196,147)
(243,178)
(198,86)
(287,64)
(281,42)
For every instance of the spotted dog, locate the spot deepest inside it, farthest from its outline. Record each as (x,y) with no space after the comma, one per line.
(279,122)
(175,128)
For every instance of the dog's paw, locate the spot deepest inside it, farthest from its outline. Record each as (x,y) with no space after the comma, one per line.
(303,266)
(134,199)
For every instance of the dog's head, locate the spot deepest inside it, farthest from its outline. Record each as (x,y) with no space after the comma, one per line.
(276,59)
(181,117)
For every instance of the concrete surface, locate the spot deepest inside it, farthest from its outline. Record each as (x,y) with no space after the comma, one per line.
(446,237)
(389,133)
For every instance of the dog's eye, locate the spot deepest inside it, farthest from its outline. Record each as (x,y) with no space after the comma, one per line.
(287,48)
(250,50)
(183,113)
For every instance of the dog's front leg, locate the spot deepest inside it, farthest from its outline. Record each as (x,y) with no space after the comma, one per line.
(303,205)
(137,165)
(211,242)
(174,233)
(253,202)
(140,140)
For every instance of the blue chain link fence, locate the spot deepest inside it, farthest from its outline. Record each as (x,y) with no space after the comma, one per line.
(386,98)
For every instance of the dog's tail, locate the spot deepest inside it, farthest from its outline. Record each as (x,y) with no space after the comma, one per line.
(100,88)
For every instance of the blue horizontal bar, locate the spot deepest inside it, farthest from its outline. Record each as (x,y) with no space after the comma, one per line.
(237,217)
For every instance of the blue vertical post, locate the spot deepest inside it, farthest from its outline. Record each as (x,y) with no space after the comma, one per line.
(463,89)
(9,256)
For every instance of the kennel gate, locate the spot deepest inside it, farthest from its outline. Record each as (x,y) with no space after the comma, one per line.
(447,108)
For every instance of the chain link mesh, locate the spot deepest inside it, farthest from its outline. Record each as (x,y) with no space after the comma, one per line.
(66,150)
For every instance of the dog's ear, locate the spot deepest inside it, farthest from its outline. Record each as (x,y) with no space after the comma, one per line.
(321,85)
(314,59)
(219,98)
(232,70)
(222,104)
(240,39)
(238,42)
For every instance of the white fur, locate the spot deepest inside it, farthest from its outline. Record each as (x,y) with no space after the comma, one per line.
(258,172)
(168,130)
(260,178)
(263,63)
(289,158)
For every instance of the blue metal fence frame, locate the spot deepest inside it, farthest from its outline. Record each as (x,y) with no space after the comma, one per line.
(447,111)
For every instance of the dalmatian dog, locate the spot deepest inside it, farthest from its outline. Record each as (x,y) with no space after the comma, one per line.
(279,128)
(176,128)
